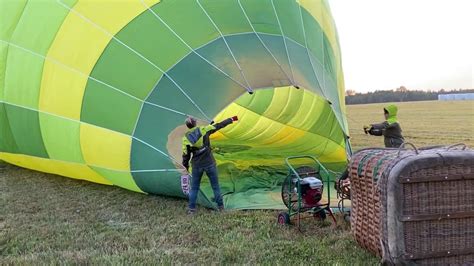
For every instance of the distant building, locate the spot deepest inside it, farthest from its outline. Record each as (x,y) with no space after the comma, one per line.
(456,97)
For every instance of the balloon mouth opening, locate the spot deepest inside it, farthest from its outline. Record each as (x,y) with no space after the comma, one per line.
(273,124)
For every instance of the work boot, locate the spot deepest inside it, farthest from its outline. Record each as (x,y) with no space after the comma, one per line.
(191,212)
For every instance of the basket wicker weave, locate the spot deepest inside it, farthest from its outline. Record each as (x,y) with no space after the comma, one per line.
(414,206)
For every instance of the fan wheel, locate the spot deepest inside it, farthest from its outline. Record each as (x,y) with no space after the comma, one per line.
(283,218)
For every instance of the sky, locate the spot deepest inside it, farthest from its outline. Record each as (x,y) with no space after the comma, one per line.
(419,44)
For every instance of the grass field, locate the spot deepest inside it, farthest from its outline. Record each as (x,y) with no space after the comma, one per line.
(423,123)
(51,219)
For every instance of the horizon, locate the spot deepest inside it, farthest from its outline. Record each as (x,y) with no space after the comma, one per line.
(442,90)
(388,44)
(417,89)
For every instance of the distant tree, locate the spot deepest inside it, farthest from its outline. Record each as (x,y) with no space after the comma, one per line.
(398,95)
(350,92)
(402,89)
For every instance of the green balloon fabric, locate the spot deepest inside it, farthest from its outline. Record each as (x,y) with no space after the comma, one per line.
(99,91)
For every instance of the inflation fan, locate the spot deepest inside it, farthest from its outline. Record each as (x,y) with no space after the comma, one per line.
(302,192)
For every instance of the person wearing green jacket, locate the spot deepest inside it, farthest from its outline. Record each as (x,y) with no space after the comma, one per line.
(390,128)
(197,149)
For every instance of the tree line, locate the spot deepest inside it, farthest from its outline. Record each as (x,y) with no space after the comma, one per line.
(398,95)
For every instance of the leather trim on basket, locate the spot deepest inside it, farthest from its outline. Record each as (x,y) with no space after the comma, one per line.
(429,217)
(437,254)
(405,180)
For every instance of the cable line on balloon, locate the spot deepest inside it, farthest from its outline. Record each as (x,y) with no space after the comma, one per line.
(228,47)
(263,43)
(193,50)
(138,54)
(284,42)
(308,53)
(82,122)
(72,69)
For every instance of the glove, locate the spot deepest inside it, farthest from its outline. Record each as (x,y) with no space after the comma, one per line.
(367,129)
(235,118)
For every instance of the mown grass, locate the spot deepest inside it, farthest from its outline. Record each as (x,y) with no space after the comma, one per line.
(48,219)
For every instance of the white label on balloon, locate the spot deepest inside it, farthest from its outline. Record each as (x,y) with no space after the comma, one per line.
(185,184)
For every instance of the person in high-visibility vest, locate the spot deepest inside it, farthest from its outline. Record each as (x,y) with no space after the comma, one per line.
(390,128)
(197,148)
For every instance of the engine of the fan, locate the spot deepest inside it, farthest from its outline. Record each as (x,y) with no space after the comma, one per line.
(311,191)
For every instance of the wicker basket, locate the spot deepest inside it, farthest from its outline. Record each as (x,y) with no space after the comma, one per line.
(414,206)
